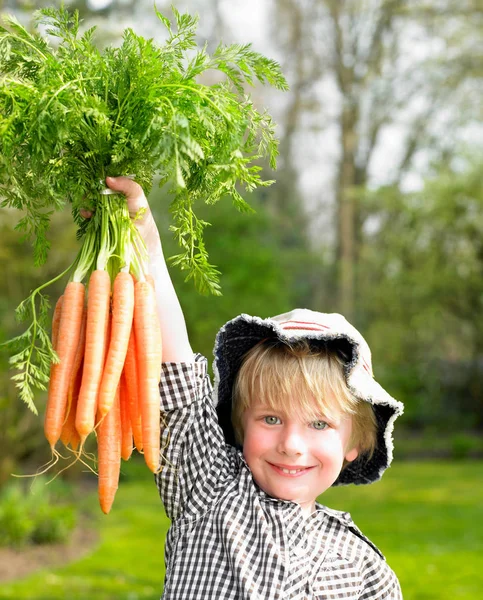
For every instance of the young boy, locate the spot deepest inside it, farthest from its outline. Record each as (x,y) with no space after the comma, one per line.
(295,410)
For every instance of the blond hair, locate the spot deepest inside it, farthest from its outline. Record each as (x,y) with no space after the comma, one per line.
(289,378)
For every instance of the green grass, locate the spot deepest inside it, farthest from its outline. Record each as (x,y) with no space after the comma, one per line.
(426,518)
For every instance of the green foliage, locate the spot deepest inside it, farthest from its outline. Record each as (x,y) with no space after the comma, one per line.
(462,445)
(32,349)
(71,114)
(435,443)
(34,517)
(420,290)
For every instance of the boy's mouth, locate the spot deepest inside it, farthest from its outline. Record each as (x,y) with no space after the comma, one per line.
(290,471)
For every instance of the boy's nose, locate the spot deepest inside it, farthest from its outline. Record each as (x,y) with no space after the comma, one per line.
(291,442)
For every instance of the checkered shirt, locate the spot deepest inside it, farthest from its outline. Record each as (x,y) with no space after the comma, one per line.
(229,540)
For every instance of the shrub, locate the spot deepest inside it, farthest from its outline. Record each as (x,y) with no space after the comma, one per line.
(34,516)
(15,522)
(462,445)
(53,524)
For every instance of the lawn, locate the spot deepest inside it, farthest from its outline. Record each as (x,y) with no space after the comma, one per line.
(426,517)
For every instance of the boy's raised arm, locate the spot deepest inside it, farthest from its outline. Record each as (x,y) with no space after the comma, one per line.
(176,345)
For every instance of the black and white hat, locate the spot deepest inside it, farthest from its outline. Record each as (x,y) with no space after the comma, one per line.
(240,334)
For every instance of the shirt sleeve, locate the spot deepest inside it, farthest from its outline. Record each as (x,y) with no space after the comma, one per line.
(195,460)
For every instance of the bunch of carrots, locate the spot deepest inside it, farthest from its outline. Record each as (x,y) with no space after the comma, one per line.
(106,335)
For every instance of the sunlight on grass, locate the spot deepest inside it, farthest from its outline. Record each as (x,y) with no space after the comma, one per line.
(425,517)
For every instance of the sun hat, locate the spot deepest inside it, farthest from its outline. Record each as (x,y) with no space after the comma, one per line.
(240,334)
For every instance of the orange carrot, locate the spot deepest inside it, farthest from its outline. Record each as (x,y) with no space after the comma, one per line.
(126,441)
(99,417)
(67,342)
(109,455)
(146,327)
(55,326)
(68,428)
(98,302)
(121,325)
(150,279)
(131,381)
(74,440)
(56,321)
(74,385)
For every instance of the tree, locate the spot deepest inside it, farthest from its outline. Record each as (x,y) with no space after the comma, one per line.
(381,67)
(422,295)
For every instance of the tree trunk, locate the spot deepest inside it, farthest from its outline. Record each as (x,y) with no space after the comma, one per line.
(284,199)
(347,213)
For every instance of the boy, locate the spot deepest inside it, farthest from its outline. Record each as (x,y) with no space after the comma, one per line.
(295,409)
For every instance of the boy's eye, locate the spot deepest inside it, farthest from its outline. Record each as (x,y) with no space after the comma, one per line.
(320,425)
(272,420)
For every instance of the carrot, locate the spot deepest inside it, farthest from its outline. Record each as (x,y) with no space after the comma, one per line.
(150,279)
(121,325)
(55,326)
(74,385)
(131,381)
(99,417)
(67,342)
(98,302)
(74,440)
(126,441)
(68,428)
(146,327)
(109,455)
(56,321)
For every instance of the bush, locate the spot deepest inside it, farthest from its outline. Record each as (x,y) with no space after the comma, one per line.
(15,522)
(462,445)
(53,524)
(34,516)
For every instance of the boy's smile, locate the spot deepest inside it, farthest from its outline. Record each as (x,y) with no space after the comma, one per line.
(293,459)
(290,470)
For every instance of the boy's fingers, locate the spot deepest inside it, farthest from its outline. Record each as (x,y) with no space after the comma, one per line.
(135,197)
(125,185)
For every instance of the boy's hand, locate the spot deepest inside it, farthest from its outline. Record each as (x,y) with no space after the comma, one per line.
(136,200)
(135,197)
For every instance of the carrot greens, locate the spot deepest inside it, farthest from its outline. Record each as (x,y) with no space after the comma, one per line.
(72,114)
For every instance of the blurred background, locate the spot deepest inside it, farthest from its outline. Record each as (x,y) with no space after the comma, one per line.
(376,213)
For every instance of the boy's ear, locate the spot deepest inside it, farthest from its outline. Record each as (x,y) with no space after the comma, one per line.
(352,455)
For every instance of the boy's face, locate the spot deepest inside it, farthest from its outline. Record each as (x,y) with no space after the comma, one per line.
(293,459)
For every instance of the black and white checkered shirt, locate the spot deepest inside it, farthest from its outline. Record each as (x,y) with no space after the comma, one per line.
(228,539)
